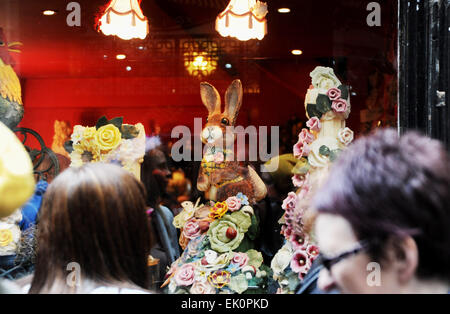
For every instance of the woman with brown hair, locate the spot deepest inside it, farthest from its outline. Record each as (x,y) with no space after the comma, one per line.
(93,233)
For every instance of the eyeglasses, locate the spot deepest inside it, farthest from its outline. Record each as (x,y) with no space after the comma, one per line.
(329,262)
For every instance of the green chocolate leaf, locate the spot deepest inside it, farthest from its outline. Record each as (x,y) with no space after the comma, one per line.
(324,150)
(101,122)
(313,111)
(323,103)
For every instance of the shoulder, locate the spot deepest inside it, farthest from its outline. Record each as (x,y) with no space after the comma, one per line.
(166,211)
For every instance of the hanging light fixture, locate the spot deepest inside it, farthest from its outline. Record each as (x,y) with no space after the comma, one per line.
(124,18)
(243,19)
(200,64)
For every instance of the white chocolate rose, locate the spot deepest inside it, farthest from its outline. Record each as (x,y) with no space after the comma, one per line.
(324,78)
(345,136)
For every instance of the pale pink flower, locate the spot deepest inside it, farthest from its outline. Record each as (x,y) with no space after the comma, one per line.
(185,275)
(233,203)
(306,136)
(200,287)
(240,259)
(339,106)
(300,180)
(192,229)
(290,201)
(301,149)
(314,124)
(334,93)
(345,136)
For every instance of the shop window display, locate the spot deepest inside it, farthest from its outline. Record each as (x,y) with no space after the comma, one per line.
(314,75)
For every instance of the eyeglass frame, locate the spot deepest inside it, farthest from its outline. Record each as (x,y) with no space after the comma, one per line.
(330,262)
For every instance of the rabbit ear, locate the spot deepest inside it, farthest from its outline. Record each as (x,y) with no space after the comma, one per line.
(233,100)
(210,97)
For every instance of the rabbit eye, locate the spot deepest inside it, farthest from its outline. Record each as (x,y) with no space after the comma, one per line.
(225,121)
(2,43)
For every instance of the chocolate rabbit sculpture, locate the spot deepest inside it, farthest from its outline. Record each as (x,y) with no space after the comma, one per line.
(220,175)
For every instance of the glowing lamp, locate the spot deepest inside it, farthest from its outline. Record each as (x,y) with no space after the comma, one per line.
(200,64)
(48,12)
(124,19)
(243,19)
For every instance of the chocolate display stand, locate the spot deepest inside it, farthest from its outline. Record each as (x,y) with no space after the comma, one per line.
(327,105)
(217,237)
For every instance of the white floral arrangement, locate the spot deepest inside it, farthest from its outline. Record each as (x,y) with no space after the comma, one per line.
(110,141)
(10,234)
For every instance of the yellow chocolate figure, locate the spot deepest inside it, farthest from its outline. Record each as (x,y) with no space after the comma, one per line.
(16,173)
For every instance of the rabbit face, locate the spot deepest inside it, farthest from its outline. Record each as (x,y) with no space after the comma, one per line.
(215,131)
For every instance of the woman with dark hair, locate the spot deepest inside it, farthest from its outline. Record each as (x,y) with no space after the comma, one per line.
(165,247)
(383,223)
(93,235)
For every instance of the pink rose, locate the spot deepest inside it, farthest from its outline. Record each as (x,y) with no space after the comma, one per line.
(219,157)
(192,229)
(300,180)
(345,136)
(185,275)
(334,93)
(290,201)
(240,259)
(306,136)
(233,203)
(300,262)
(301,149)
(314,124)
(339,106)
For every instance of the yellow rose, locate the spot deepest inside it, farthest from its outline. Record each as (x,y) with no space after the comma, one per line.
(6,237)
(108,137)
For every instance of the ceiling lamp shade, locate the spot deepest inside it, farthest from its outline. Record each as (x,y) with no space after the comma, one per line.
(243,19)
(124,19)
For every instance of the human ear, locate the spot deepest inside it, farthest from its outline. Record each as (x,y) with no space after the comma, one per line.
(404,255)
